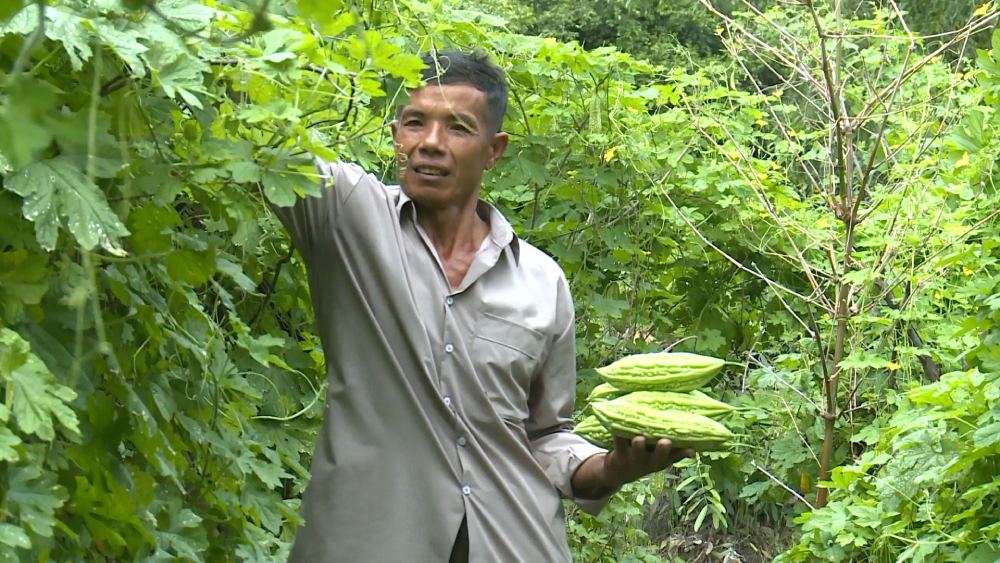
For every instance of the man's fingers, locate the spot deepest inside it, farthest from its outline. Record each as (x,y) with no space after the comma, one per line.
(638,449)
(642,452)
(622,444)
(663,453)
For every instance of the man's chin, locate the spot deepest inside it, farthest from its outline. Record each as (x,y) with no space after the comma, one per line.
(424,196)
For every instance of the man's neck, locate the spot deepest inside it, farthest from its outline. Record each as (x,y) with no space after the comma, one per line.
(456,234)
(454,231)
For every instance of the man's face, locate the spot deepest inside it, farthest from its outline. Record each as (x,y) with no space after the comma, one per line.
(444,143)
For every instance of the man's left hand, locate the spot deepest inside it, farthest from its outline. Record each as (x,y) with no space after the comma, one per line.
(631,459)
(628,460)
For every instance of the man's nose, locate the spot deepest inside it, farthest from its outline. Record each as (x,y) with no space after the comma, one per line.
(432,138)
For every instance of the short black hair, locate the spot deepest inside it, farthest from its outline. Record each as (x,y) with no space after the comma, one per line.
(475,69)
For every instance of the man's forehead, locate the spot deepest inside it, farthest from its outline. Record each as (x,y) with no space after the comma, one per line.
(456,98)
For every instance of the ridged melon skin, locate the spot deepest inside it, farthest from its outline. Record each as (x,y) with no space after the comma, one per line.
(671,400)
(683,429)
(604,392)
(661,371)
(594,432)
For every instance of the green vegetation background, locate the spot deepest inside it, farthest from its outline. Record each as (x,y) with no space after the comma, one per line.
(161,381)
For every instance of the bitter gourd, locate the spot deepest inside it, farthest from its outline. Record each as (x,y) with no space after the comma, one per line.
(661,371)
(683,429)
(604,392)
(594,432)
(665,400)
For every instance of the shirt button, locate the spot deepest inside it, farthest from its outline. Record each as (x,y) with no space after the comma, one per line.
(449,348)
(447,400)
(461,441)
(450,300)
(466,490)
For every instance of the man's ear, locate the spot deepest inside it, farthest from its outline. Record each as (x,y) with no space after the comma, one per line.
(497,148)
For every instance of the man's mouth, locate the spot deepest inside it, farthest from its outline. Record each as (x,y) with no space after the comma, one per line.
(429,170)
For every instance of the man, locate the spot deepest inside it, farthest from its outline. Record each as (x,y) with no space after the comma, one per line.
(450,352)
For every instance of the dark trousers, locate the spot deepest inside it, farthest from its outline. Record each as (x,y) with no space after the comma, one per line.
(460,551)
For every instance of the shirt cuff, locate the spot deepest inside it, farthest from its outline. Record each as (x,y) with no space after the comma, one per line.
(560,455)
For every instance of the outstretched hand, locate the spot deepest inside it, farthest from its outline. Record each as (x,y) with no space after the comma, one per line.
(629,460)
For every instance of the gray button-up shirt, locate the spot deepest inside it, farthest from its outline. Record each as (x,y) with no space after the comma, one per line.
(443,402)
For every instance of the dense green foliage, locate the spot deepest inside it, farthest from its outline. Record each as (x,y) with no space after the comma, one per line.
(927,490)
(683,31)
(162,382)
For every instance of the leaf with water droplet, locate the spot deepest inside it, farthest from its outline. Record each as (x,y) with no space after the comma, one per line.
(57,193)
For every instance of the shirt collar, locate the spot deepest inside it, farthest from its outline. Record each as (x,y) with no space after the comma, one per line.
(501,232)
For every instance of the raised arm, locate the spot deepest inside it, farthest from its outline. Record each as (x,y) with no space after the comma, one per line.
(312,219)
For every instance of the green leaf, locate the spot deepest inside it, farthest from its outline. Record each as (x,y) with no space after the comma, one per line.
(25,120)
(70,30)
(270,473)
(192,267)
(38,401)
(8,440)
(752,492)
(151,227)
(14,536)
(126,44)
(235,273)
(280,188)
(23,281)
(183,77)
(987,436)
(33,496)
(57,193)
(9,7)
(863,360)
(327,13)
(244,172)
(191,15)
(984,553)
(275,110)
(180,535)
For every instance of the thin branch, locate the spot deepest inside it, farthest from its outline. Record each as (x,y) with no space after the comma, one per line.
(725,255)
(272,285)
(33,40)
(810,172)
(803,263)
(783,485)
(841,125)
(866,172)
(764,45)
(965,32)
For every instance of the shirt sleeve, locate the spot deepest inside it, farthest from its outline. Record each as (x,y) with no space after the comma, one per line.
(310,220)
(550,422)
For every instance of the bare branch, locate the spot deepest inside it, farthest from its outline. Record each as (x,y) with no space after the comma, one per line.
(725,255)
(783,485)
(764,45)
(963,34)
(772,212)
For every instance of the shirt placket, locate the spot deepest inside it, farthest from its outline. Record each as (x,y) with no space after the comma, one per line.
(449,368)
(448,357)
